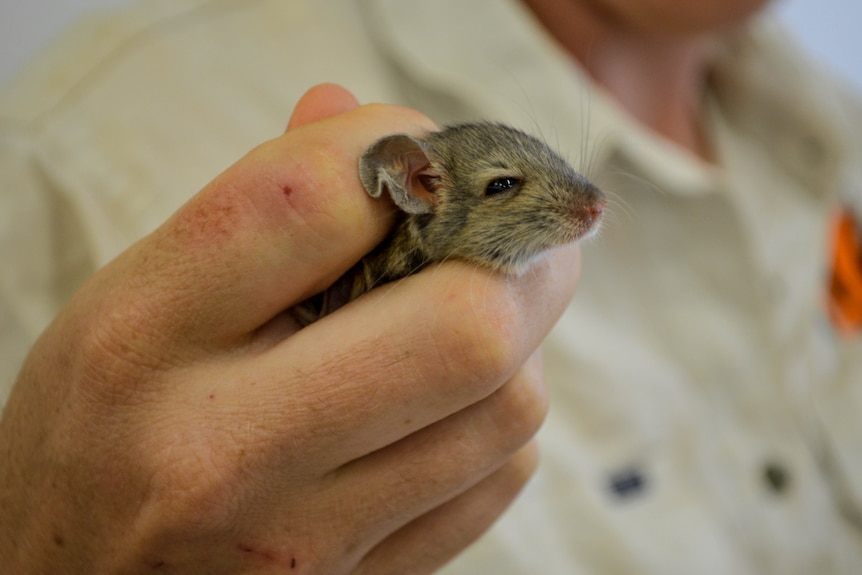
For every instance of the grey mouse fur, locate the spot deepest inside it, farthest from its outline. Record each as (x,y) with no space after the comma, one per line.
(482,192)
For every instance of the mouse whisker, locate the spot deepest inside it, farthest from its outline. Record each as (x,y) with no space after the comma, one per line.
(640,181)
(618,206)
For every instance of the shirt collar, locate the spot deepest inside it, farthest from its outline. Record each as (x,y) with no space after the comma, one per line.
(511,70)
(768,89)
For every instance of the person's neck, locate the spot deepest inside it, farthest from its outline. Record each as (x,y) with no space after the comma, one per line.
(658,80)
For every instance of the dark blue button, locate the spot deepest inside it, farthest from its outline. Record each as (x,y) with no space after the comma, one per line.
(627,482)
(776,476)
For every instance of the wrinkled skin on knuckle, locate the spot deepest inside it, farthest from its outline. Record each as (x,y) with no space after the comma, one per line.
(524,464)
(200,489)
(115,355)
(193,498)
(481,330)
(519,408)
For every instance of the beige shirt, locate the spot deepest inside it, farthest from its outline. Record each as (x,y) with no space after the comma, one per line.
(704,413)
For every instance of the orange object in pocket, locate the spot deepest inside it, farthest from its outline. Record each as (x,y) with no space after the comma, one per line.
(845,285)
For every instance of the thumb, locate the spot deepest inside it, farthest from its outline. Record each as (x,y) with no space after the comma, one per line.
(321,102)
(278,226)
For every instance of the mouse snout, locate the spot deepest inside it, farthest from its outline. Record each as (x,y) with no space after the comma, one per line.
(596,209)
(590,213)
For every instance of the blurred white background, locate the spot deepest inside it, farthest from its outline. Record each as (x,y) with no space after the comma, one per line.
(829,27)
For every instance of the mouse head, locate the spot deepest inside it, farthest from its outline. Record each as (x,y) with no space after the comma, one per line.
(487,193)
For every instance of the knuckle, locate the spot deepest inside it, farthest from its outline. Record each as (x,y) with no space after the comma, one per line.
(484,323)
(524,464)
(114,352)
(518,409)
(493,354)
(202,488)
(104,350)
(518,469)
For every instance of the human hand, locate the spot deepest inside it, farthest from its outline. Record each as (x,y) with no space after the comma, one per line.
(173,419)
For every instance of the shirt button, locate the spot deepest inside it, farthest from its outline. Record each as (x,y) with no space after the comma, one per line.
(776,477)
(627,482)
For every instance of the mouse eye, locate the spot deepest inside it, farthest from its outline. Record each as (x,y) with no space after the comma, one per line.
(501,185)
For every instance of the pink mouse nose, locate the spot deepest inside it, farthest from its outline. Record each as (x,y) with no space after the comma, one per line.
(592,212)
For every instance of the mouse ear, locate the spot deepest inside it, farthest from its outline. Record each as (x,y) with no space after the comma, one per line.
(395,164)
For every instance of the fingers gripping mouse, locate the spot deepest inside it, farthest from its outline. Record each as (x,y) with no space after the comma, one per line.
(485,193)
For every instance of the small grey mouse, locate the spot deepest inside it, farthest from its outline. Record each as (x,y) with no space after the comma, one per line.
(486,193)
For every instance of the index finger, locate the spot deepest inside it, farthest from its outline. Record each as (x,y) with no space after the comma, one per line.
(404,356)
